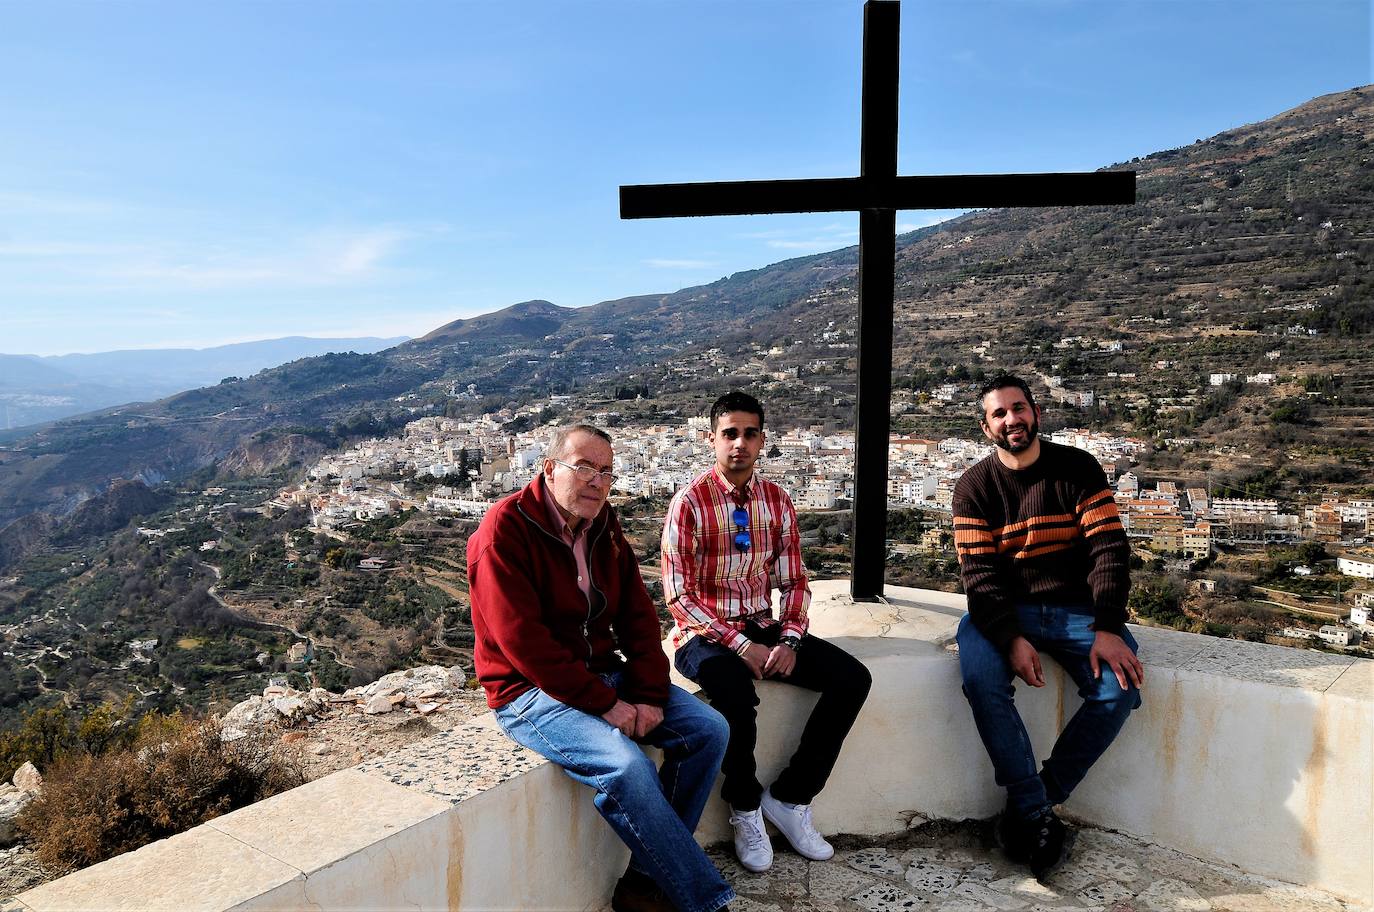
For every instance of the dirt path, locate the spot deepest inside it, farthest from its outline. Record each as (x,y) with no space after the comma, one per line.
(439,582)
(247,618)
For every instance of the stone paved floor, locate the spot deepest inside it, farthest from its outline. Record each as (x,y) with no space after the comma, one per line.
(956,868)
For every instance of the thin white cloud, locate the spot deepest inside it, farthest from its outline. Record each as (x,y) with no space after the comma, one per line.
(14,202)
(46,249)
(827,237)
(308,332)
(413,323)
(35,261)
(814,244)
(322,260)
(361,255)
(840,229)
(680,264)
(171,329)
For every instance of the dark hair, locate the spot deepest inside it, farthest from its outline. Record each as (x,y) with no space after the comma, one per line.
(1002,381)
(559,442)
(735,401)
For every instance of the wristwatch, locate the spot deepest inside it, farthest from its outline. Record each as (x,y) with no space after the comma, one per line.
(790,641)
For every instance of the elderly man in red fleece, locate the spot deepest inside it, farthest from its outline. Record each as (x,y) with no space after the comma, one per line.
(569,652)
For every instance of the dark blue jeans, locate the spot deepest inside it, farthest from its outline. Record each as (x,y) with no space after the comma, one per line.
(1066,634)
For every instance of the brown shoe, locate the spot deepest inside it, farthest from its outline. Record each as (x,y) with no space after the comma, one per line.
(636,892)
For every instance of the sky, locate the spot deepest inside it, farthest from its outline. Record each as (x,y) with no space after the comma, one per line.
(178,174)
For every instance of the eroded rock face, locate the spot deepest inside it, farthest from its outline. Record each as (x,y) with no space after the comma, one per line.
(378,704)
(423,683)
(27,778)
(14,795)
(291,708)
(12,801)
(279,705)
(255,711)
(424,690)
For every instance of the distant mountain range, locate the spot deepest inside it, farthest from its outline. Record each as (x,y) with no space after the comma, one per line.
(1239,245)
(36,389)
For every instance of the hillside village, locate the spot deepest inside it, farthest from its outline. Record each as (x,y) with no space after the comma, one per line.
(460,466)
(456,467)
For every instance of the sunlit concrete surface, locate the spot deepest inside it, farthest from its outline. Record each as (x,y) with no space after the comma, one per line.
(955,868)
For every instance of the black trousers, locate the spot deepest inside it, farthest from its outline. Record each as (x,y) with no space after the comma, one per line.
(842,681)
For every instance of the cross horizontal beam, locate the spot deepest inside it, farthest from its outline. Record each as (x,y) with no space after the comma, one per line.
(848,194)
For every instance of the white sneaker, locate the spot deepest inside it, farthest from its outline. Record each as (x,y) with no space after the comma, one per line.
(794,822)
(751,842)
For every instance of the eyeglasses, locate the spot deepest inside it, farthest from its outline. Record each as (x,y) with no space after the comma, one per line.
(587,474)
(741,518)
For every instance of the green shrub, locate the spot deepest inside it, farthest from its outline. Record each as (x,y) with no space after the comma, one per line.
(44,735)
(1160,600)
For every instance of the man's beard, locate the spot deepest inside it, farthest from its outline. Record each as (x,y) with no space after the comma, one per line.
(1032,432)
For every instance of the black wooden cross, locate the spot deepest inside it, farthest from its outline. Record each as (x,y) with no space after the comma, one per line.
(877,193)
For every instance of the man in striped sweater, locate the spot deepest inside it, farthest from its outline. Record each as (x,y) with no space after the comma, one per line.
(1044,560)
(730,538)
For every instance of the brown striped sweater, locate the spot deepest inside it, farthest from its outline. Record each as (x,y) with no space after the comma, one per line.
(1047,534)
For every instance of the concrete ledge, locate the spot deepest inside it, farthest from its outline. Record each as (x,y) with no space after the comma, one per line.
(1251,755)
(199,869)
(464,820)
(1243,753)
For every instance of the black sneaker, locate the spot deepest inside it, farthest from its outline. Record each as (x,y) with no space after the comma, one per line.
(1040,840)
(1010,839)
(1050,841)
(637,892)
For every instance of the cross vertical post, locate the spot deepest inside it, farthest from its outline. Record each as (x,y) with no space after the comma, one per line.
(877,265)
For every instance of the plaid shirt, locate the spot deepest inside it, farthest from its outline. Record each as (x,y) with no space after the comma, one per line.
(712,588)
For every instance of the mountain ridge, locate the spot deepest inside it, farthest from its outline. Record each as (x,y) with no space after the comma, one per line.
(40,388)
(1229,235)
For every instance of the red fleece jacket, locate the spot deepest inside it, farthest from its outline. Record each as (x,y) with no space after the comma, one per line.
(535,628)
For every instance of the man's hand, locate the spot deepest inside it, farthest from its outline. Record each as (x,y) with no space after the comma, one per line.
(647,718)
(623,716)
(755,659)
(1025,662)
(781,660)
(1112,649)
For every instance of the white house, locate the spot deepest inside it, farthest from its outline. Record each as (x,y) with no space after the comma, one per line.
(1338,636)
(1361,566)
(820,494)
(1227,505)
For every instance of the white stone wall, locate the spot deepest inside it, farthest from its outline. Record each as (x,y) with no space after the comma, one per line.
(1243,753)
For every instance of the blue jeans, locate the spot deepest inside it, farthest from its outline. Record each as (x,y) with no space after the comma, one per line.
(653,811)
(1066,634)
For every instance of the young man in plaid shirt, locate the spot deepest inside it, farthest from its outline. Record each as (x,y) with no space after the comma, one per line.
(730,538)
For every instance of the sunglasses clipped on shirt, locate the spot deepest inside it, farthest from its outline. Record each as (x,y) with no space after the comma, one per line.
(741,518)
(586,473)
